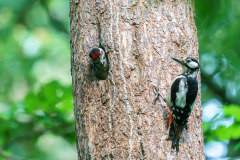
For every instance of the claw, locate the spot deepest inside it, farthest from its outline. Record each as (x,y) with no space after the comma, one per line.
(157,95)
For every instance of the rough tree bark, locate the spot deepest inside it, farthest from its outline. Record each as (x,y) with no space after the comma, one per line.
(116,118)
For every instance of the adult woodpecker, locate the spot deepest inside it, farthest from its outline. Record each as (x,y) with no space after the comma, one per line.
(100,63)
(181,97)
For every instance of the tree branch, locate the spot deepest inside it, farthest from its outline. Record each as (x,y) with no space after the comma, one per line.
(7,156)
(216,89)
(56,23)
(38,133)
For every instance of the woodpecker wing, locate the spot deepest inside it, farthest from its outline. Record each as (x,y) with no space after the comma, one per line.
(192,91)
(183,94)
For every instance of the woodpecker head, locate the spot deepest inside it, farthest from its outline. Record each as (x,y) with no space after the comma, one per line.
(94,53)
(97,54)
(190,65)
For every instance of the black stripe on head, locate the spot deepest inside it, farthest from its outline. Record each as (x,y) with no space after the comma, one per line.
(193,59)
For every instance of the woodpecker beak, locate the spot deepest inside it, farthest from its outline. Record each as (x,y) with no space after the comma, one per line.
(179,60)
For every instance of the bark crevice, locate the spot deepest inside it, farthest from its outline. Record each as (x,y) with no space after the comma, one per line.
(116,118)
(128,107)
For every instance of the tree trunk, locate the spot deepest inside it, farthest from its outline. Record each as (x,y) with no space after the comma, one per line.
(116,118)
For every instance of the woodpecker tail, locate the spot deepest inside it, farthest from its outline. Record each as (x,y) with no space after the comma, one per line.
(175,133)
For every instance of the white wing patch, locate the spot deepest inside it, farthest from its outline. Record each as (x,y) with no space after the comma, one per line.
(193,64)
(169,93)
(181,95)
(179,76)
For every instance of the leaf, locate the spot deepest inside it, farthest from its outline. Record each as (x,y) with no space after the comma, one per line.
(232,110)
(237,147)
(232,132)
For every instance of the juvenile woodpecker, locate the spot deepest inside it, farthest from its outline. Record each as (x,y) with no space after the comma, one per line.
(100,63)
(181,97)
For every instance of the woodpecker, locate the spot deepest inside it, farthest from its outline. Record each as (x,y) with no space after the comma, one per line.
(181,97)
(100,63)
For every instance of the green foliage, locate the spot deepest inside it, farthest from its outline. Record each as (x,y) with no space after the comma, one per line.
(232,110)
(50,110)
(36,109)
(218,34)
(232,132)
(224,133)
(52,98)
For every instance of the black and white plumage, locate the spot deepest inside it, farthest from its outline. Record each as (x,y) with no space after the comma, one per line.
(100,63)
(181,98)
(184,90)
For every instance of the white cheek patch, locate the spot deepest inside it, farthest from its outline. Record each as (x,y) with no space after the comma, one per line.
(101,50)
(193,64)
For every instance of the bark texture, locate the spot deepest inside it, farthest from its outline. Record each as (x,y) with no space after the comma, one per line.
(116,118)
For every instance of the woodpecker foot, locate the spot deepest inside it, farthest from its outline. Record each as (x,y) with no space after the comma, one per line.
(157,95)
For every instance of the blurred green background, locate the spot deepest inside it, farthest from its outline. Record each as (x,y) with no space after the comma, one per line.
(36,109)
(219,48)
